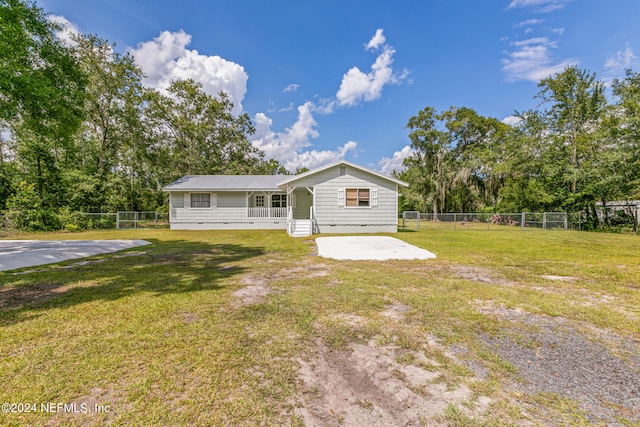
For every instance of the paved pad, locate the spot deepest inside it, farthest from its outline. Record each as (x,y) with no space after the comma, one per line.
(369,248)
(28,253)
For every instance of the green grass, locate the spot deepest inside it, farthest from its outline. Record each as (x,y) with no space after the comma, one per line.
(160,338)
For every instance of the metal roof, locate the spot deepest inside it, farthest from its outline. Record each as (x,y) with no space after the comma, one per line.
(292,178)
(226,183)
(255,182)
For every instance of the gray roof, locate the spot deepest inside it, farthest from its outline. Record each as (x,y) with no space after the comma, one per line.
(291,178)
(255,182)
(226,183)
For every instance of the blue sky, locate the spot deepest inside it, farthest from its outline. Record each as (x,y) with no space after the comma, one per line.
(326,80)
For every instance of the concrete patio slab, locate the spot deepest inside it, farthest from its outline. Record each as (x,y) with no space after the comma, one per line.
(369,248)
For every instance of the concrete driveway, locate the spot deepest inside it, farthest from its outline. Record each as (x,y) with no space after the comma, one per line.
(28,253)
(369,248)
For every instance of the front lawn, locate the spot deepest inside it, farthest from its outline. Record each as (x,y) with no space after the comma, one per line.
(252,328)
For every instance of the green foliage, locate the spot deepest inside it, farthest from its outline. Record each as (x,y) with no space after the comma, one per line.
(575,150)
(87,136)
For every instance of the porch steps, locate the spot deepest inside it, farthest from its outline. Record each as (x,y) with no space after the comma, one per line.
(301,228)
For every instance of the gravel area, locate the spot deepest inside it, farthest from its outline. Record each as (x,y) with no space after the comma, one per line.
(552,355)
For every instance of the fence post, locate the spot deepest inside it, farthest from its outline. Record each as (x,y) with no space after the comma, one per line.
(118,220)
(418,221)
(156,220)
(135,220)
(523,218)
(566,222)
(454,220)
(544,220)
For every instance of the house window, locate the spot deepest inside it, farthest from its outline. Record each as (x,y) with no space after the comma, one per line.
(279,201)
(260,200)
(357,197)
(200,200)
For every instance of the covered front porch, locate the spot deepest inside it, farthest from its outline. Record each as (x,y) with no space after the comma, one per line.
(300,211)
(294,206)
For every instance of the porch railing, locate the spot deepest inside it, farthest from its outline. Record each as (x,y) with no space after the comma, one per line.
(266,212)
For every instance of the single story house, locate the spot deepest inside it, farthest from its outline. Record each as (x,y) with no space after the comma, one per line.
(337,198)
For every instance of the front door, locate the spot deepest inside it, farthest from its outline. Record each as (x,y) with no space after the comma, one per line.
(304,201)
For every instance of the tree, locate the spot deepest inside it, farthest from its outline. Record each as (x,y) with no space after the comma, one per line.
(41,97)
(577,105)
(429,168)
(196,133)
(112,148)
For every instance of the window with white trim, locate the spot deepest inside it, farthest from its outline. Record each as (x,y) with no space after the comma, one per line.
(357,197)
(200,200)
(260,200)
(279,201)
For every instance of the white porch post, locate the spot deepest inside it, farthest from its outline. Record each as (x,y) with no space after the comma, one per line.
(312,190)
(248,195)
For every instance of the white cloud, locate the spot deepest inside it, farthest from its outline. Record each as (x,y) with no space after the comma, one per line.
(166,58)
(291,88)
(533,61)
(68,29)
(376,41)
(313,159)
(293,147)
(284,146)
(622,60)
(536,40)
(358,86)
(529,22)
(542,6)
(559,31)
(288,147)
(511,120)
(387,165)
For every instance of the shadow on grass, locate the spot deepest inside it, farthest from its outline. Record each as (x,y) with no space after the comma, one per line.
(161,268)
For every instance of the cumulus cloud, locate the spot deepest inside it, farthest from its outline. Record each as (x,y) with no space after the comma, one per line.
(377,40)
(283,146)
(387,165)
(358,86)
(314,158)
(166,58)
(511,120)
(293,147)
(69,29)
(289,147)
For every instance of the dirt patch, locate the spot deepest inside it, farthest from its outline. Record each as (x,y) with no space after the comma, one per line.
(559,278)
(255,293)
(259,286)
(365,385)
(480,275)
(98,407)
(552,355)
(349,319)
(396,311)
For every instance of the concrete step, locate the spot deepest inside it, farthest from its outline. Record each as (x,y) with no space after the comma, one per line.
(302,228)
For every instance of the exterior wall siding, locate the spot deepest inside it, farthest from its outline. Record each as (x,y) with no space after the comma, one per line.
(230,214)
(332,218)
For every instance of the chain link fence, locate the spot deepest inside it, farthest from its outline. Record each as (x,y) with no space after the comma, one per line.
(414,220)
(136,220)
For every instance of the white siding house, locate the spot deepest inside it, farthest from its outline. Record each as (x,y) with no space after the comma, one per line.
(337,198)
